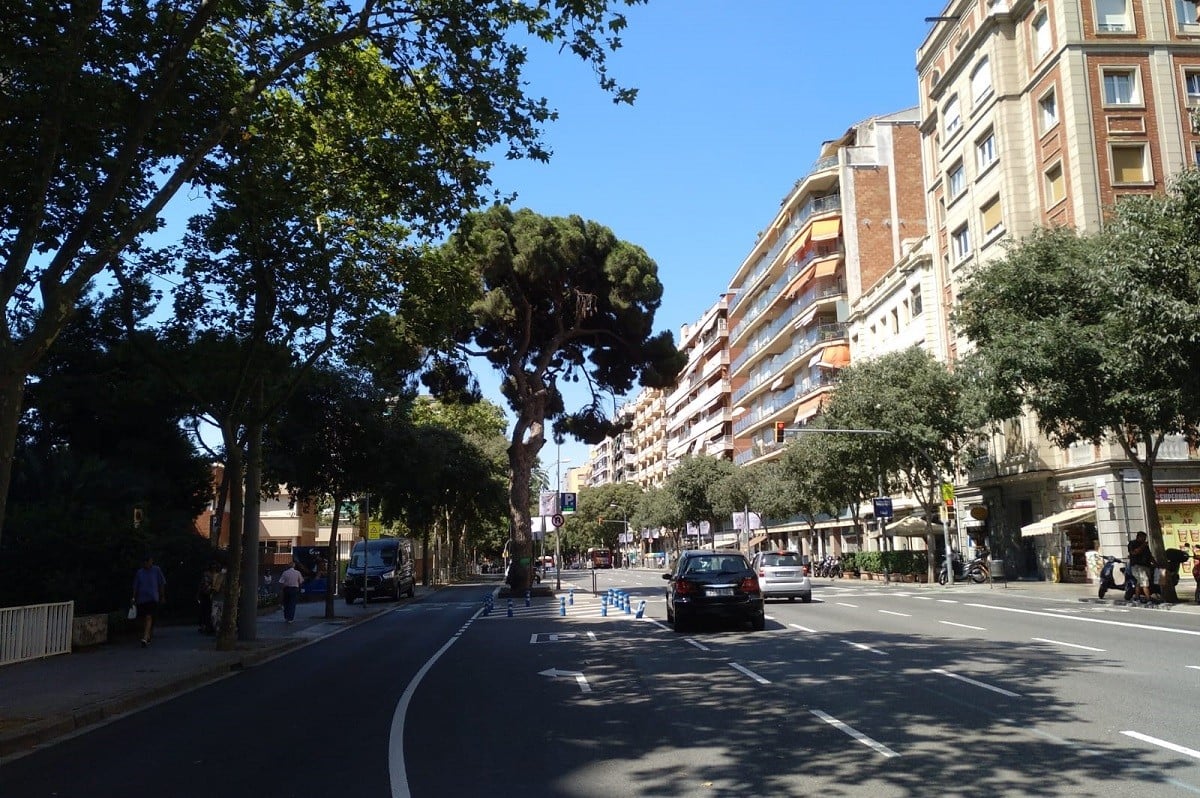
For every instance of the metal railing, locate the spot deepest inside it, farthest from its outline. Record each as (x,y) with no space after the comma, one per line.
(35,631)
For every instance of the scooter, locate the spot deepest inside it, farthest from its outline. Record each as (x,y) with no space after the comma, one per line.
(976,570)
(1108,577)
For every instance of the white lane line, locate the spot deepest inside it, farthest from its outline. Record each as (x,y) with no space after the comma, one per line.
(844,604)
(657,623)
(694,642)
(901,614)
(1083,619)
(922,598)
(749,673)
(1193,667)
(1054,738)
(964,626)
(769,617)
(993,688)
(948,601)
(814,631)
(397,770)
(1068,645)
(592,636)
(864,647)
(1179,749)
(854,733)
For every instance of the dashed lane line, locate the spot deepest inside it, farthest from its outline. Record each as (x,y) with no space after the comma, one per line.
(749,673)
(984,685)
(1176,747)
(814,631)
(1068,645)
(964,626)
(876,746)
(901,614)
(1106,622)
(864,647)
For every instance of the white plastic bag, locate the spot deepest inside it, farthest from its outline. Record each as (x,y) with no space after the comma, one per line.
(132,614)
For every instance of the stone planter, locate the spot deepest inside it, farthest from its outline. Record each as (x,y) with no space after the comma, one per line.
(89,630)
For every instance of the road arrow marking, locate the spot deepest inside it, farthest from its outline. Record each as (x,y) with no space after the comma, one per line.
(584,687)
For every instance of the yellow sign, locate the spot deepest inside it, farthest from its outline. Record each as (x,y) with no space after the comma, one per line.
(948,492)
(1181,527)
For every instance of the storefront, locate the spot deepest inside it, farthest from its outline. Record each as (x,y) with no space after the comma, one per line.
(1062,541)
(1179,514)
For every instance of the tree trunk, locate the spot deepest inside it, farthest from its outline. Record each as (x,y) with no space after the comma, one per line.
(12,396)
(227,635)
(248,628)
(1154,532)
(331,557)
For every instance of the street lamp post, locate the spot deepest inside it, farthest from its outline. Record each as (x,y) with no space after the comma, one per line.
(624,522)
(558,464)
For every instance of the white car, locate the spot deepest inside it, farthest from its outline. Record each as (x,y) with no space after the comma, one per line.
(781,574)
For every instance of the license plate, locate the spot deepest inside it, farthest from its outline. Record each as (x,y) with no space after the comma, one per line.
(719,591)
(784,573)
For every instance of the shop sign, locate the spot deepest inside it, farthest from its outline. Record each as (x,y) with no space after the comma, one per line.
(1177,494)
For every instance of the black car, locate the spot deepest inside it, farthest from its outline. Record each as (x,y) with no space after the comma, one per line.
(381,568)
(713,584)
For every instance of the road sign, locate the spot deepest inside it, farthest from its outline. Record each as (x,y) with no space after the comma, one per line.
(566,503)
(557,519)
(882,506)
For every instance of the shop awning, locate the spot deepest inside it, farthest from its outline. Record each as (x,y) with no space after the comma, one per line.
(826,229)
(826,268)
(756,540)
(911,526)
(1066,517)
(835,356)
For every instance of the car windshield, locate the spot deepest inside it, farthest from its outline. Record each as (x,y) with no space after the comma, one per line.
(376,558)
(780,559)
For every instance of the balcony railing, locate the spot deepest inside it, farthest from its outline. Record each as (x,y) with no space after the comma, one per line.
(768,297)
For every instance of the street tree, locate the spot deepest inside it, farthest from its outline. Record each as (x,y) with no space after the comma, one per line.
(691,485)
(814,497)
(1099,334)
(561,298)
(920,403)
(658,511)
(111,110)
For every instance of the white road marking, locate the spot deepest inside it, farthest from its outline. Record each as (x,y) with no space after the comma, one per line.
(1068,645)
(592,636)
(769,617)
(1054,738)
(864,647)
(696,643)
(964,626)
(814,631)
(948,601)
(749,673)
(1179,749)
(1126,624)
(993,688)
(844,604)
(854,733)
(901,614)
(657,623)
(1193,667)
(922,598)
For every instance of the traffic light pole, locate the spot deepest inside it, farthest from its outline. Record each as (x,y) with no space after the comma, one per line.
(780,428)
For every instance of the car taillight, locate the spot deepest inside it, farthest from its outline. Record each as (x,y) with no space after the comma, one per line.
(683,587)
(762,571)
(749,584)
(804,570)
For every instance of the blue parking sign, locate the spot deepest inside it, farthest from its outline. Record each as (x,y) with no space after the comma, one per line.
(883,507)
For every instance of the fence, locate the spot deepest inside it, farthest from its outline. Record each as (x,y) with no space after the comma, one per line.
(39,630)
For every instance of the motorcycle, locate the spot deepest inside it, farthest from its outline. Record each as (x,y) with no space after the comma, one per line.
(976,570)
(1108,577)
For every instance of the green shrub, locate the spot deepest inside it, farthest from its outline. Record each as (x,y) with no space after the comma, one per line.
(896,562)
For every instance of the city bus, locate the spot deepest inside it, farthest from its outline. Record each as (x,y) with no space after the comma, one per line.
(599,558)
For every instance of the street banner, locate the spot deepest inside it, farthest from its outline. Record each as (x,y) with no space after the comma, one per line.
(548,502)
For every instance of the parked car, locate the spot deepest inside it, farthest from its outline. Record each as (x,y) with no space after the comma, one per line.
(715,585)
(379,568)
(781,574)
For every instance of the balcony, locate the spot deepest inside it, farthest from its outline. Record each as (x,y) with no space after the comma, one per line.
(768,298)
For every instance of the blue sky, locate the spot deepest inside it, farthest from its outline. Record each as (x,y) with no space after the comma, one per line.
(735,99)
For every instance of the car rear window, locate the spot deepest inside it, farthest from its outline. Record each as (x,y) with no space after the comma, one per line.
(711,564)
(780,559)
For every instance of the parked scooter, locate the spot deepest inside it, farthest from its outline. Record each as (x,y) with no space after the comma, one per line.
(1115,568)
(976,570)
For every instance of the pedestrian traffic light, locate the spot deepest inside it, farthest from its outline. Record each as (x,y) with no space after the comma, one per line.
(780,426)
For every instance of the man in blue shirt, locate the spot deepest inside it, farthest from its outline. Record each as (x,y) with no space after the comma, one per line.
(149,590)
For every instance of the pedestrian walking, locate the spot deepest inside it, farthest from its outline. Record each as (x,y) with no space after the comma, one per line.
(290,581)
(1142,562)
(149,593)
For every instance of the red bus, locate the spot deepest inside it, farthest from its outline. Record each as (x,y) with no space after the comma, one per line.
(599,558)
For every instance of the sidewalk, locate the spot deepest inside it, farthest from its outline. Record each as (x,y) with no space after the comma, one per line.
(42,700)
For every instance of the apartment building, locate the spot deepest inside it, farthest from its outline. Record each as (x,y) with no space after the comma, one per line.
(1038,113)
(648,438)
(837,233)
(698,417)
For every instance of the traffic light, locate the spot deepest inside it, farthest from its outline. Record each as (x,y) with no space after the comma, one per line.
(780,426)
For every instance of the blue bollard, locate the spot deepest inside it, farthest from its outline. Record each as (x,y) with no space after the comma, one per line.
(562,606)
(603,606)
(641,609)
(628,608)
(571,597)
(510,608)
(526,598)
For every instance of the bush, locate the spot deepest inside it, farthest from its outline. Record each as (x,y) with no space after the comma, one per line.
(896,562)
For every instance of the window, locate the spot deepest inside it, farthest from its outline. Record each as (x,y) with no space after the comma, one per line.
(985,151)
(1112,16)
(1120,87)
(962,243)
(981,82)
(916,302)
(1191,83)
(1041,35)
(895,321)
(1129,164)
(1055,188)
(1196,157)
(1185,12)
(992,220)
(953,118)
(1048,110)
(957,179)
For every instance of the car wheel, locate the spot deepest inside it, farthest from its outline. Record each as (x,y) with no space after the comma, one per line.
(351,598)
(670,616)
(396,592)
(758,623)
(791,598)
(806,598)
(680,624)
(412,590)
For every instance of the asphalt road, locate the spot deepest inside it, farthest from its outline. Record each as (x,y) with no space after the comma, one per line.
(867,691)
